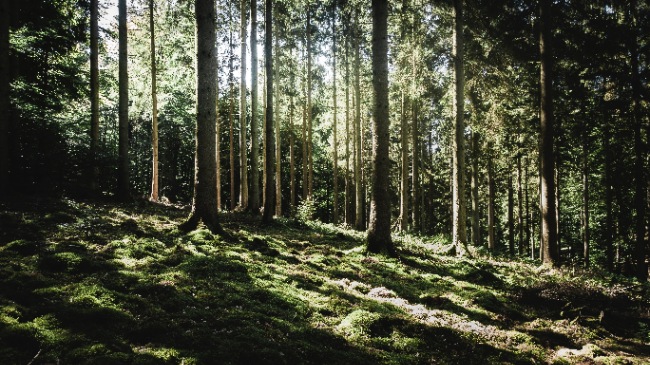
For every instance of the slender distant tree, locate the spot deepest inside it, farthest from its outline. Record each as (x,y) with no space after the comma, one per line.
(204,203)
(255,138)
(231,113)
(358,184)
(94,93)
(243,149)
(334,122)
(547,153)
(310,140)
(459,234)
(4,97)
(379,239)
(154,106)
(404,183)
(123,155)
(269,202)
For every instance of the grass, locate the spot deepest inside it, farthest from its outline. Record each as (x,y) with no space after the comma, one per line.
(100,283)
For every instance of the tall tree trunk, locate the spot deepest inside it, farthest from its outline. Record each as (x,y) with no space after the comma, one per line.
(305,142)
(310,141)
(459,231)
(609,197)
(243,149)
(255,138)
(547,154)
(217,134)
(379,239)
(404,188)
(231,119)
(269,203)
(415,166)
(278,153)
(520,206)
(585,202)
(358,186)
(94,90)
(335,124)
(529,243)
(123,155)
(154,106)
(491,198)
(349,212)
(639,151)
(204,204)
(511,216)
(292,163)
(476,223)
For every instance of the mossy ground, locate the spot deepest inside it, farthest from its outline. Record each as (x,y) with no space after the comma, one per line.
(100,283)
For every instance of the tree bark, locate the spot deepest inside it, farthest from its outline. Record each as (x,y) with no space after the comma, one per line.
(231,119)
(476,224)
(609,197)
(269,203)
(123,140)
(204,204)
(491,198)
(358,186)
(278,156)
(415,166)
(511,216)
(585,202)
(255,138)
(349,212)
(94,90)
(335,124)
(547,153)
(520,207)
(404,188)
(639,151)
(154,106)
(379,239)
(310,141)
(243,149)
(459,231)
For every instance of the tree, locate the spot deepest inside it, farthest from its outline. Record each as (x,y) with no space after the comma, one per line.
(379,239)
(243,160)
(459,231)
(404,183)
(255,143)
(204,203)
(335,156)
(4,98)
(94,92)
(123,155)
(269,202)
(154,107)
(547,154)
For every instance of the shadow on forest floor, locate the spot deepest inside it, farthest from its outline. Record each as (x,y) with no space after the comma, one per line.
(100,283)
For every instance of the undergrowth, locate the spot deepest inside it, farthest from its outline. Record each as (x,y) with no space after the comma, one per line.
(91,283)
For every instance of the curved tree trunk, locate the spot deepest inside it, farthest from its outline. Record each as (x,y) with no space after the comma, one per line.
(123,154)
(204,204)
(379,239)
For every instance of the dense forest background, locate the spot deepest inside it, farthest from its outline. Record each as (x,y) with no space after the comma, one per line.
(55,141)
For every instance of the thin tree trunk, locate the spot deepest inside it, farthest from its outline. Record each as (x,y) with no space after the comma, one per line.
(520,206)
(639,152)
(278,155)
(491,198)
(231,120)
(255,138)
(349,212)
(476,224)
(243,149)
(547,154)
(511,216)
(204,205)
(609,197)
(217,136)
(292,163)
(529,243)
(359,225)
(310,142)
(335,125)
(459,234)
(154,106)
(404,188)
(269,203)
(585,202)
(305,143)
(379,239)
(415,166)
(123,155)
(94,89)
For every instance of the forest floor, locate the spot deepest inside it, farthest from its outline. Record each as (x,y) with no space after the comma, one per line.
(104,283)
